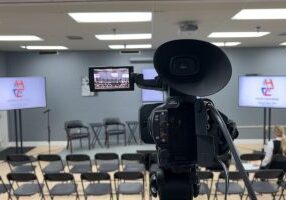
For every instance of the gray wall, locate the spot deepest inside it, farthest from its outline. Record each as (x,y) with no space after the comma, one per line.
(3,67)
(63,73)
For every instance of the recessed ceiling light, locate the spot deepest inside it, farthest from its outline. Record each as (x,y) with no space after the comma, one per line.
(237,34)
(138,36)
(116,46)
(44,47)
(20,38)
(283,44)
(226,44)
(105,17)
(138,46)
(257,14)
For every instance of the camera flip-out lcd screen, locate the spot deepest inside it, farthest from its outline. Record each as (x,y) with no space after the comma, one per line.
(110,78)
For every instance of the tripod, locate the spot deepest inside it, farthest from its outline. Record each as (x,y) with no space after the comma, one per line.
(49,128)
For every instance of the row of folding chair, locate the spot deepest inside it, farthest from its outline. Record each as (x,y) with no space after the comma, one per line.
(64,184)
(77,163)
(267,181)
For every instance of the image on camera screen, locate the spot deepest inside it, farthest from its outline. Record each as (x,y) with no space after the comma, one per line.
(111,78)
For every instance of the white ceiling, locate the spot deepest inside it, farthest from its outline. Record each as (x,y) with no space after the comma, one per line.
(51,22)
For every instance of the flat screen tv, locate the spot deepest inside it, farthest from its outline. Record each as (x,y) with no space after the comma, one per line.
(110,78)
(22,92)
(262,91)
(151,95)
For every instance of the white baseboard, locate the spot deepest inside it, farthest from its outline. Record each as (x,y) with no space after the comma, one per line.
(64,143)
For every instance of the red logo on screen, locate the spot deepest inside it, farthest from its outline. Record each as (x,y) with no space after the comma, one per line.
(19,87)
(268,86)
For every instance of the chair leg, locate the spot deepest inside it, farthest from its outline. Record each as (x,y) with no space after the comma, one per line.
(68,144)
(80,141)
(125,139)
(88,142)
(117,196)
(71,146)
(282,195)
(117,139)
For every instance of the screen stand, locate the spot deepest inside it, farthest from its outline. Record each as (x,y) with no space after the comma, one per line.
(18,130)
(264,126)
(49,128)
(269,123)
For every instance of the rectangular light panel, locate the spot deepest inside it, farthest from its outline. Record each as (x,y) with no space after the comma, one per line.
(237,34)
(260,14)
(20,38)
(106,17)
(138,46)
(226,44)
(115,46)
(44,47)
(138,36)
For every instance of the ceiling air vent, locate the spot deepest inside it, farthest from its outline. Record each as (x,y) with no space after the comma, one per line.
(125,52)
(74,37)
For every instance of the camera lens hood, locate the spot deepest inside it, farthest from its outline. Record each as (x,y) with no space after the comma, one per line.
(193,67)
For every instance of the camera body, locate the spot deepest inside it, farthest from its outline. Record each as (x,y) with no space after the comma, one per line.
(184,132)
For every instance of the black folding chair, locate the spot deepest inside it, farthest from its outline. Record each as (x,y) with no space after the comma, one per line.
(50,163)
(132,162)
(78,163)
(27,184)
(114,127)
(126,183)
(63,185)
(206,182)
(76,130)
(234,187)
(107,162)
(99,184)
(266,181)
(20,163)
(248,157)
(5,188)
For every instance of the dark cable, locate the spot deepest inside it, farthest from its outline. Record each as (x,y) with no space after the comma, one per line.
(214,112)
(226,178)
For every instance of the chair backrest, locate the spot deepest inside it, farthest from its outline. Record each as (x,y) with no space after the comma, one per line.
(111,121)
(267,174)
(252,156)
(49,157)
(73,124)
(18,159)
(106,157)
(278,162)
(21,158)
(58,177)
(226,159)
(204,175)
(131,157)
(232,175)
(77,158)
(21,177)
(96,176)
(128,175)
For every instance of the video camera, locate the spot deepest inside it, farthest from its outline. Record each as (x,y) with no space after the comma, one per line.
(187,129)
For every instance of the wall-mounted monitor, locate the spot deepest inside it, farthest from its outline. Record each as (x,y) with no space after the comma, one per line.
(22,92)
(151,95)
(110,78)
(262,91)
